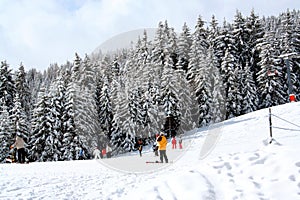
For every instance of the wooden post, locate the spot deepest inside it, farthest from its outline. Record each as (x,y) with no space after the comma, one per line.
(270,124)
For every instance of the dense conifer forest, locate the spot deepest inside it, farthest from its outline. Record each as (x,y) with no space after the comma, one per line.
(174,83)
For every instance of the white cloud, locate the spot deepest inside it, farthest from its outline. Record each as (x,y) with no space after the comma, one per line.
(38,33)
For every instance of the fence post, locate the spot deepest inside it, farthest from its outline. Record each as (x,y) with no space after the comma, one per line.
(270,124)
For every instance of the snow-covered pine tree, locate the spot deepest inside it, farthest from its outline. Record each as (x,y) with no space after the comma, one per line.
(19,119)
(104,106)
(197,74)
(58,101)
(242,54)
(240,38)
(149,102)
(7,86)
(254,28)
(214,39)
(249,91)
(22,89)
(217,110)
(269,87)
(215,54)
(7,134)
(203,89)
(86,119)
(288,47)
(158,54)
(90,71)
(184,48)
(170,98)
(122,137)
(198,48)
(230,75)
(296,44)
(40,142)
(70,141)
(35,81)
(187,102)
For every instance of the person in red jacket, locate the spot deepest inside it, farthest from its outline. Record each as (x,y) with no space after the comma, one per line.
(174,143)
(162,147)
(180,142)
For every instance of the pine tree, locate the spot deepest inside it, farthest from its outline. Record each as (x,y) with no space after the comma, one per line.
(218,112)
(203,89)
(105,111)
(187,102)
(269,86)
(22,89)
(255,31)
(70,141)
(85,110)
(240,39)
(184,48)
(20,120)
(7,134)
(40,142)
(58,102)
(122,136)
(230,74)
(288,47)
(7,86)
(170,98)
(214,59)
(198,48)
(249,91)
(296,44)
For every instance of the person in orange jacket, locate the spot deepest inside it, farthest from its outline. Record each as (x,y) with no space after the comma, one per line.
(162,147)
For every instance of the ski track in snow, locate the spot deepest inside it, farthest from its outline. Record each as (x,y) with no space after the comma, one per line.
(243,165)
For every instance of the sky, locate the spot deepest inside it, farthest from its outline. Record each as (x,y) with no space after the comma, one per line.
(39,33)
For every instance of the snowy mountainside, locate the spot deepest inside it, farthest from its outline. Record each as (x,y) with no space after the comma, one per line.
(232,160)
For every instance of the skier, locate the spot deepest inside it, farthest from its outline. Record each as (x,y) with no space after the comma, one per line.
(103,152)
(20,145)
(180,142)
(140,146)
(96,153)
(162,147)
(80,155)
(155,148)
(174,143)
(108,151)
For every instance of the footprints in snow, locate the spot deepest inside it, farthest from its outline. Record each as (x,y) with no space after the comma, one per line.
(242,169)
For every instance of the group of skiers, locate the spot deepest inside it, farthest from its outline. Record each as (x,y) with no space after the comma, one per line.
(174,142)
(18,154)
(104,153)
(159,148)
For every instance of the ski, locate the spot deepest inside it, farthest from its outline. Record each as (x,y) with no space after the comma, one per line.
(159,162)
(153,161)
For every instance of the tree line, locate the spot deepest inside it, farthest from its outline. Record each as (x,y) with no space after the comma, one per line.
(173,83)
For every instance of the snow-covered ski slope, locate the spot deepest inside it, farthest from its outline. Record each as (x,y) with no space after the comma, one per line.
(242,165)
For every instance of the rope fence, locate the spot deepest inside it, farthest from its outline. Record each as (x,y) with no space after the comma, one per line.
(287,129)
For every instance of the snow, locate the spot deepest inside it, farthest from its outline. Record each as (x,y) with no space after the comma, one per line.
(232,160)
